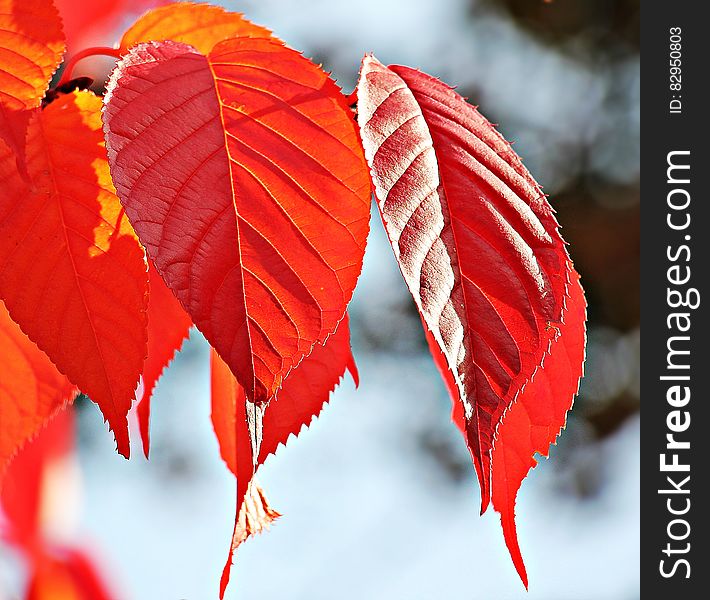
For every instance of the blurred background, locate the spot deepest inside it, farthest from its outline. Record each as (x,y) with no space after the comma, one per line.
(379,496)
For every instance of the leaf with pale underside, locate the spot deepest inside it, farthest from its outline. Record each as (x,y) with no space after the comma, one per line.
(479,248)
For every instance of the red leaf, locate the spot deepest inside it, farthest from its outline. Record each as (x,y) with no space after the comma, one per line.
(24,489)
(479,249)
(69,574)
(31,49)
(200,25)
(73,272)
(31,389)
(245,431)
(34,482)
(307,389)
(168,326)
(244,178)
(538,415)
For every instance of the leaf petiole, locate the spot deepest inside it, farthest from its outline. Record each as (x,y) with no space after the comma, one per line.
(93,51)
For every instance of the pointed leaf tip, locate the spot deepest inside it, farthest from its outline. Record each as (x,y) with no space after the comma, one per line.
(255,516)
(168,327)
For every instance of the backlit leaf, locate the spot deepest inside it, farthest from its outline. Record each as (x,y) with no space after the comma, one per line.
(31,49)
(538,415)
(301,399)
(307,389)
(200,25)
(31,389)
(73,274)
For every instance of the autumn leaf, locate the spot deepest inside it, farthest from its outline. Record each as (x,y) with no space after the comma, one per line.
(25,489)
(248,435)
(538,414)
(168,327)
(67,574)
(73,274)
(31,389)
(31,49)
(244,178)
(307,389)
(200,25)
(36,479)
(480,251)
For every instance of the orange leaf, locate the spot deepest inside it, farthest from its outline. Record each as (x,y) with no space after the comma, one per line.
(31,49)
(168,326)
(31,389)
(200,25)
(32,46)
(243,175)
(73,273)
